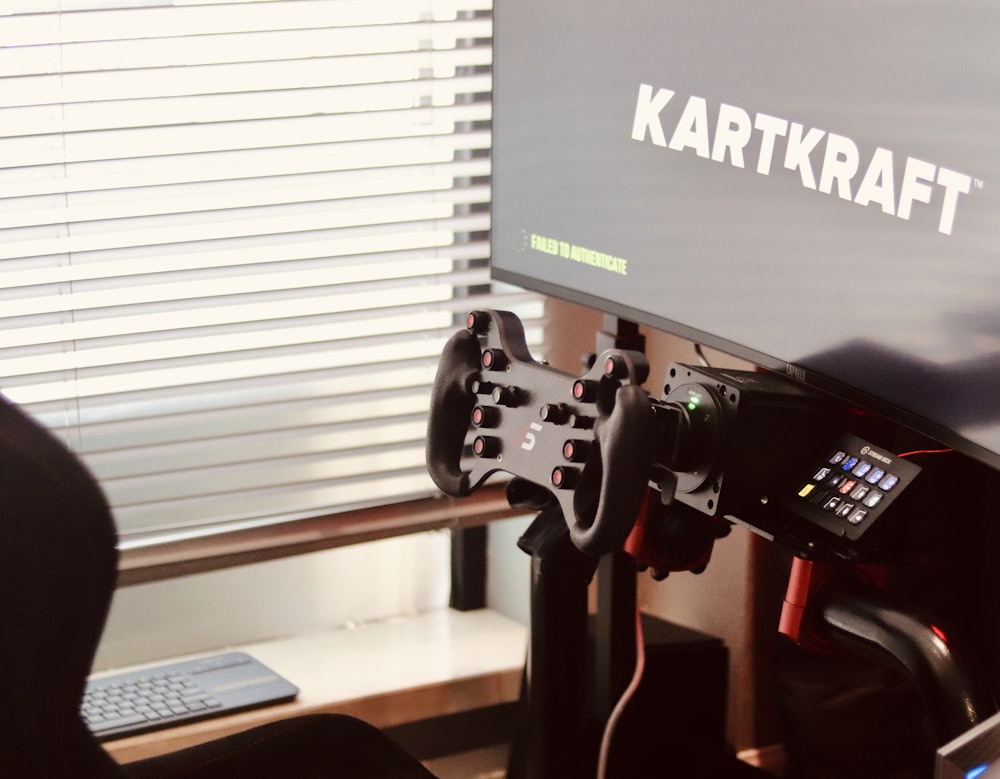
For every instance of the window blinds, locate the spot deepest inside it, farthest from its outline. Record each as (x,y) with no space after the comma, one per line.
(235,237)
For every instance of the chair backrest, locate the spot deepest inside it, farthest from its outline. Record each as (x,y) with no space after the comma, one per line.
(58,562)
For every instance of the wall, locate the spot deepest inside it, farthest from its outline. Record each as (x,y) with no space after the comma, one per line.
(208,611)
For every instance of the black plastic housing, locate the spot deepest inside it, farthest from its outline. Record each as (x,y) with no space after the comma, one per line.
(749,433)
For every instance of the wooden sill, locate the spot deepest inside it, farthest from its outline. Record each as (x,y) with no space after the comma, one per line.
(389,674)
(144,560)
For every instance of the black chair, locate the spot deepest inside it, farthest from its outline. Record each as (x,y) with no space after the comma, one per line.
(58,561)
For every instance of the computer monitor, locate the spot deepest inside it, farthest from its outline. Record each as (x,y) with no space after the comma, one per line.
(814,187)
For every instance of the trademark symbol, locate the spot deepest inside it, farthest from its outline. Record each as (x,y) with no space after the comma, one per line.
(978,183)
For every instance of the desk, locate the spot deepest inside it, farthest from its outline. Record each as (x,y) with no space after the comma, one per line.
(388,673)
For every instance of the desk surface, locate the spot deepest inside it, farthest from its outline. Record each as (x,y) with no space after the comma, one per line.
(388,673)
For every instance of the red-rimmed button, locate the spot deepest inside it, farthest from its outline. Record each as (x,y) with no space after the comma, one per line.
(615,367)
(485,416)
(486,446)
(584,391)
(477,322)
(564,478)
(575,451)
(494,360)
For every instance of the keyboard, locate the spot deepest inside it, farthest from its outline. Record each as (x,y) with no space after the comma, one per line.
(134,702)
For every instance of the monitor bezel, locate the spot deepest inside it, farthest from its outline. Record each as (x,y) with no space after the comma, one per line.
(808,378)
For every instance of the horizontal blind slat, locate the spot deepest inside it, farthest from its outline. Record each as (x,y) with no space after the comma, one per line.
(316,498)
(228,165)
(225,48)
(225,108)
(284,449)
(391,257)
(308,385)
(139,233)
(210,372)
(99,24)
(137,141)
(202,197)
(288,416)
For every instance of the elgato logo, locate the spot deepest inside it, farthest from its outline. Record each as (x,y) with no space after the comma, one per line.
(867,451)
(840,167)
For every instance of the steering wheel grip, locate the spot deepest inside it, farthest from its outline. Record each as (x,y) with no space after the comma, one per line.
(601,502)
(452,402)
(616,474)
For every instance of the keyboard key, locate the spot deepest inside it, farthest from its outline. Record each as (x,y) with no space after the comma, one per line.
(862,469)
(844,510)
(847,486)
(858,516)
(873,499)
(860,492)
(888,482)
(875,476)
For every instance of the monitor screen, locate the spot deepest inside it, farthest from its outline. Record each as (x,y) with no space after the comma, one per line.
(814,186)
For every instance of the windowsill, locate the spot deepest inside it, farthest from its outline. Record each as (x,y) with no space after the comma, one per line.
(390,673)
(159,557)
